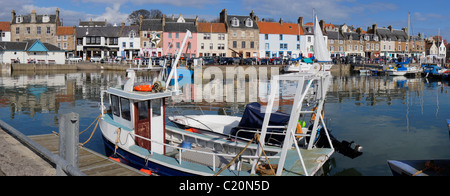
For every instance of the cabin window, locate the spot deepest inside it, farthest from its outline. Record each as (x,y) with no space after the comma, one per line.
(115,105)
(125,108)
(156,107)
(143,110)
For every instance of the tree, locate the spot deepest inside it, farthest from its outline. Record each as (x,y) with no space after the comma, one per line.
(155,13)
(134,17)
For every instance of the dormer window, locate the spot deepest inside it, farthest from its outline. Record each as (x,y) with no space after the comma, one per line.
(45,18)
(19,19)
(366,38)
(235,22)
(132,34)
(249,22)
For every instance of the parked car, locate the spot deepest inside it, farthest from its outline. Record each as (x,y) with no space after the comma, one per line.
(276,61)
(208,61)
(237,60)
(225,61)
(74,59)
(249,61)
(264,61)
(96,59)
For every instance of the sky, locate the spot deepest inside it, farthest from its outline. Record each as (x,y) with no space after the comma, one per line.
(427,17)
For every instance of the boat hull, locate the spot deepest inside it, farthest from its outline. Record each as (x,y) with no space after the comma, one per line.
(420,167)
(397,73)
(140,163)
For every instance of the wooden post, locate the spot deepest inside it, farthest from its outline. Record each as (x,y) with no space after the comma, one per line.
(68,140)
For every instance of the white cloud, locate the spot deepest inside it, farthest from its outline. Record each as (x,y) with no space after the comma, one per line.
(113,15)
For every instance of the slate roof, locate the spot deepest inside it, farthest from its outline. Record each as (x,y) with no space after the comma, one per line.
(127,29)
(92,23)
(242,20)
(25,45)
(98,32)
(27,19)
(352,36)
(151,25)
(335,35)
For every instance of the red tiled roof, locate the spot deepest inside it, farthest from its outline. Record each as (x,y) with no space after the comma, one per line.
(5,26)
(211,27)
(278,28)
(65,31)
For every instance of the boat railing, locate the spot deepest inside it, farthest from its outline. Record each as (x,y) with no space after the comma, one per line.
(212,154)
(258,131)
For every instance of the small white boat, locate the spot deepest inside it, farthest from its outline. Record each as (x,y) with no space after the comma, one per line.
(321,54)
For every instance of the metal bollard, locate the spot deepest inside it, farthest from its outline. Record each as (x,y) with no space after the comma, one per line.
(68,140)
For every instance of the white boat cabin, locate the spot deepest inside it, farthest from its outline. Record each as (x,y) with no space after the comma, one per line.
(140,111)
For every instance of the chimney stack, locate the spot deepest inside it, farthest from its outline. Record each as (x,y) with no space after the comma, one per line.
(374,27)
(281,21)
(33,16)
(300,20)
(13,15)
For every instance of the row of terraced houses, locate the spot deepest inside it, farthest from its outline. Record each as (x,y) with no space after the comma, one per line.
(245,36)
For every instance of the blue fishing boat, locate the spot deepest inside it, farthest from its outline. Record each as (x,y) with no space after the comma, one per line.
(134,131)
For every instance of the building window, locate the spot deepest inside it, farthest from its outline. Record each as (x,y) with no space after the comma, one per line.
(170,35)
(221,36)
(178,45)
(243,44)
(252,44)
(266,36)
(298,37)
(124,44)
(17,30)
(202,46)
(177,35)
(65,38)
(234,44)
(48,30)
(131,45)
(38,30)
(64,45)
(281,36)
(235,22)
(211,46)
(58,38)
(249,22)
(221,46)
(267,46)
(28,30)
(207,36)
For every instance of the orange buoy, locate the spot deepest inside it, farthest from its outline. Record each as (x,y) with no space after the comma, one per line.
(147,171)
(145,88)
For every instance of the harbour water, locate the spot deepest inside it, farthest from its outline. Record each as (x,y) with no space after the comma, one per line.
(392,118)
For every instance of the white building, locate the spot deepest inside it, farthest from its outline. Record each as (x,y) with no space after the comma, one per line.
(31,51)
(279,39)
(5,32)
(442,50)
(212,39)
(129,42)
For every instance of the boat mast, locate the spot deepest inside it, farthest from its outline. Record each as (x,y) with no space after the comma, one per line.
(174,65)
